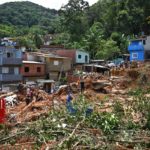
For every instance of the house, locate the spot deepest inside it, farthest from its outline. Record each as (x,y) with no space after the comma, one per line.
(7,41)
(10,62)
(95,68)
(77,56)
(48,85)
(55,66)
(32,70)
(139,49)
(98,62)
(48,39)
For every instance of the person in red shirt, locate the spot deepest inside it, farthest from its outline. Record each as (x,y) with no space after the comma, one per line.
(2,111)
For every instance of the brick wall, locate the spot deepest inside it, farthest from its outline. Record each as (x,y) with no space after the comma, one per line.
(33,70)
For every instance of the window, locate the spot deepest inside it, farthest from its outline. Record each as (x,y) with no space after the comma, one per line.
(134,55)
(38,69)
(26,69)
(9,55)
(56,63)
(79,56)
(16,70)
(5,70)
(144,42)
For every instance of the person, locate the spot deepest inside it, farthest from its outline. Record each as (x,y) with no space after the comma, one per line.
(20,88)
(69,104)
(52,88)
(82,86)
(126,64)
(28,96)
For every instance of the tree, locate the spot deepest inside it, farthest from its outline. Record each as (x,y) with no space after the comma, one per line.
(26,41)
(74,19)
(38,41)
(121,40)
(91,39)
(107,49)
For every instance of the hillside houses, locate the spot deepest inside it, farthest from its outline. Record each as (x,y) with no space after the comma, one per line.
(77,56)
(17,65)
(139,49)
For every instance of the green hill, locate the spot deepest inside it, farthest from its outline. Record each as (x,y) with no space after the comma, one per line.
(25,14)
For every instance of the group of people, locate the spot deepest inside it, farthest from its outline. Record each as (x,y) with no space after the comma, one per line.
(32,94)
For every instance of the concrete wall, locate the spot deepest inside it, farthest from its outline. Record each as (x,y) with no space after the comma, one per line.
(53,64)
(11,70)
(66,53)
(31,57)
(82,57)
(67,63)
(58,64)
(147,44)
(13,52)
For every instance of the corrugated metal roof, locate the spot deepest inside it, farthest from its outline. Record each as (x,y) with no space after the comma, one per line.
(93,65)
(45,81)
(32,62)
(50,55)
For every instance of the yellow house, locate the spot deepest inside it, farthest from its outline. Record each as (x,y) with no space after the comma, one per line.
(56,66)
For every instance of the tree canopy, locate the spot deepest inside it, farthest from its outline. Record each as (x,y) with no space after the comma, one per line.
(96,28)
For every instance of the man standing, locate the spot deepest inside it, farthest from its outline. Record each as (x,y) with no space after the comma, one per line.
(82,86)
(28,96)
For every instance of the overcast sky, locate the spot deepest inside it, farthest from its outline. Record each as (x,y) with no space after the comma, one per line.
(48,3)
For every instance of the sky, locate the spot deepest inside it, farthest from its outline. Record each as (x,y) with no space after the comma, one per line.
(56,4)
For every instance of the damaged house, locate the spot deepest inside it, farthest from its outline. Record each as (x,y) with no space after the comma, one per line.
(55,66)
(10,63)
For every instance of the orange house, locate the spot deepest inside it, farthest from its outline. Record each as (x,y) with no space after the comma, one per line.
(32,70)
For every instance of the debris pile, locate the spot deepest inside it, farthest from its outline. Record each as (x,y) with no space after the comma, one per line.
(109,98)
(40,105)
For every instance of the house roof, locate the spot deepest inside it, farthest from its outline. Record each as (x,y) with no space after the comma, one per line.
(32,62)
(98,60)
(49,55)
(97,66)
(45,81)
(62,49)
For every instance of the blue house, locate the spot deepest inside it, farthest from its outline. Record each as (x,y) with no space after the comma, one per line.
(139,49)
(136,50)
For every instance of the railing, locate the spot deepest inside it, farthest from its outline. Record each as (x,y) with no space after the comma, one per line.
(10,77)
(10,61)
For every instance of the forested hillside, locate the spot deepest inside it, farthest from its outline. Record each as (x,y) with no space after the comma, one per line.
(27,22)
(25,14)
(23,18)
(103,29)
(106,26)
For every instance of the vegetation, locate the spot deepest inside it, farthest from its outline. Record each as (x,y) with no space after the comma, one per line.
(103,29)
(108,23)
(25,14)
(127,125)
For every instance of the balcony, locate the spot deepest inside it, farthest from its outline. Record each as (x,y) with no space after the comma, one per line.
(10,77)
(10,61)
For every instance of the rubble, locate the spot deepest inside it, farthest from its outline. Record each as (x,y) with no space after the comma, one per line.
(101,92)
(97,87)
(36,108)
